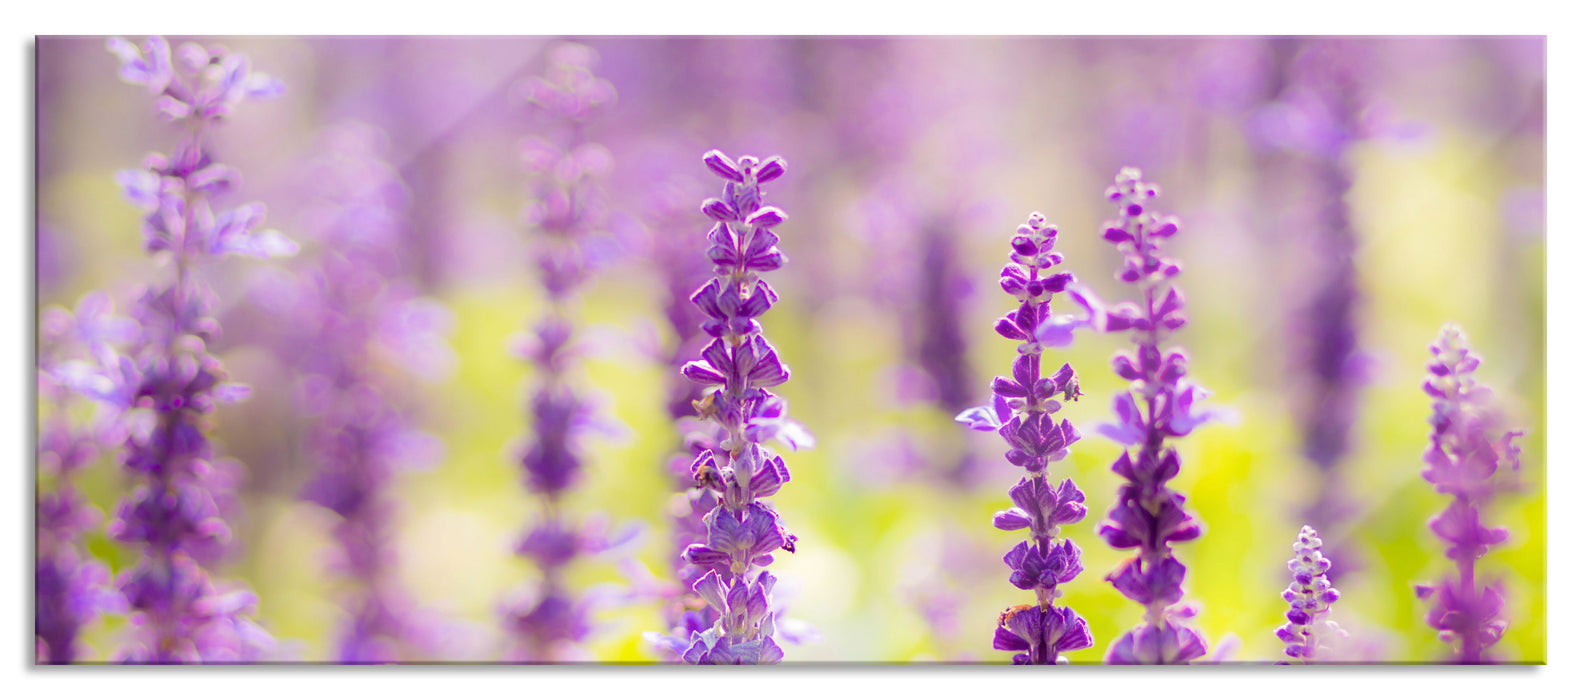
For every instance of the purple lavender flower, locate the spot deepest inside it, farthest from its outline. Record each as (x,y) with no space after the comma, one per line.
(1147,516)
(1301,139)
(547,622)
(77,352)
(1471,460)
(172,382)
(670,208)
(342,310)
(741,532)
(1307,631)
(1022,412)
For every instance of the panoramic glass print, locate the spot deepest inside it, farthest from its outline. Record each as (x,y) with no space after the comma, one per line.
(719,350)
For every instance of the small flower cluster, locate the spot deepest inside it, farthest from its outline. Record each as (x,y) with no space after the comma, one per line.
(1310,596)
(1471,460)
(351,317)
(1023,412)
(737,368)
(547,624)
(172,382)
(1148,516)
(77,352)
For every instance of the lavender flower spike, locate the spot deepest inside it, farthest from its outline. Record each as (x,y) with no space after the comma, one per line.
(349,307)
(1022,411)
(737,369)
(548,622)
(172,381)
(1472,461)
(1310,596)
(1147,516)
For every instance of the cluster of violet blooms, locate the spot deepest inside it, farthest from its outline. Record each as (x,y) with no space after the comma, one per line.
(1465,459)
(548,622)
(155,383)
(1022,412)
(1307,633)
(738,366)
(1473,460)
(169,383)
(1148,516)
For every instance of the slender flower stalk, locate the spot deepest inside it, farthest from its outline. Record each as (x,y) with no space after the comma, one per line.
(738,367)
(1303,137)
(1307,628)
(77,353)
(1148,516)
(172,382)
(1023,412)
(1472,461)
(940,342)
(547,624)
(349,308)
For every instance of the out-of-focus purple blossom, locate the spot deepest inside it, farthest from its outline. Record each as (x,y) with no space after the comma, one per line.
(926,279)
(340,313)
(174,513)
(1318,110)
(1159,404)
(1308,632)
(77,354)
(736,369)
(1473,460)
(1022,412)
(670,207)
(548,621)
(201,84)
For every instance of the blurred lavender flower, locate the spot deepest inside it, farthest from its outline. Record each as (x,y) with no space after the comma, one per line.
(1471,460)
(1307,632)
(1022,412)
(77,356)
(346,312)
(737,367)
(172,382)
(670,207)
(1147,516)
(926,284)
(548,621)
(1302,138)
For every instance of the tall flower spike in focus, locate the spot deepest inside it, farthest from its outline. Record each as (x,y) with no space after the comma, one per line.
(1307,629)
(1023,412)
(1471,459)
(1159,405)
(171,381)
(738,367)
(548,622)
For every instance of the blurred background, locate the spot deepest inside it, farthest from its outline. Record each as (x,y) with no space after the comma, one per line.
(1341,199)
